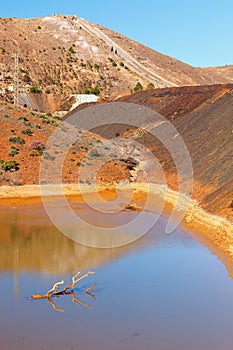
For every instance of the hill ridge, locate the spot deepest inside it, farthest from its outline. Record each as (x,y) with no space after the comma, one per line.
(64,55)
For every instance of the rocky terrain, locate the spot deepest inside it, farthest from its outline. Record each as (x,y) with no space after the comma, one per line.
(58,56)
(202,115)
(24,139)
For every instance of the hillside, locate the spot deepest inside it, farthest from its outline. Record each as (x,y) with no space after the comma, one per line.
(225,71)
(64,55)
(60,56)
(24,139)
(203,117)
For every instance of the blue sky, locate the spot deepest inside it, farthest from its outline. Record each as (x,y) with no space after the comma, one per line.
(197,32)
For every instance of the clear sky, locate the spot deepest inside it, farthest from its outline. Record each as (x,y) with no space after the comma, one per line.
(197,32)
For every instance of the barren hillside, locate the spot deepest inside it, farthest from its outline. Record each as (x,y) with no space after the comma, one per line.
(65,55)
(225,72)
(203,117)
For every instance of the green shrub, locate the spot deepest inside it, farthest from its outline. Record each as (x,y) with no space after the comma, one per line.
(122,64)
(57,117)
(17,140)
(27,132)
(150,86)
(10,165)
(13,151)
(114,64)
(28,124)
(26,78)
(49,122)
(23,118)
(138,87)
(35,90)
(71,50)
(95,91)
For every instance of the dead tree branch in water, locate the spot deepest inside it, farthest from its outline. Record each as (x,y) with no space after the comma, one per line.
(54,291)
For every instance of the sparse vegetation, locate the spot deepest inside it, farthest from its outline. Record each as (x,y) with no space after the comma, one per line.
(13,151)
(95,91)
(71,50)
(37,146)
(92,91)
(17,140)
(26,78)
(150,86)
(89,64)
(35,90)
(138,87)
(27,132)
(23,118)
(10,165)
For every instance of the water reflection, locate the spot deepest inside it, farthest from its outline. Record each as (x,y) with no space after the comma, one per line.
(75,300)
(161,292)
(55,292)
(30,242)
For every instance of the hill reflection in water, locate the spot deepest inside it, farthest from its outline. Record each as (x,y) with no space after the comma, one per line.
(30,242)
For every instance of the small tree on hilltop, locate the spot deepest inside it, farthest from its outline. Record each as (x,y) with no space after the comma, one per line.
(150,86)
(138,87)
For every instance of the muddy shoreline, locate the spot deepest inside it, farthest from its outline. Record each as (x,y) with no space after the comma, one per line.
(217,230)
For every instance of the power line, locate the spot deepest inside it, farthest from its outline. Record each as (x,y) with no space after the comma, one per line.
(16,79)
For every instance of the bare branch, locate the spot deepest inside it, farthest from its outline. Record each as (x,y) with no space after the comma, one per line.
(89,290)
(38,296)
(54,289)
(84,276)
(73,278)
(54,292)
(79,302)
(55,306)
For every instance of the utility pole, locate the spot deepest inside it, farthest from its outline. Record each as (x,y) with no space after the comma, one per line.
(16,79)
